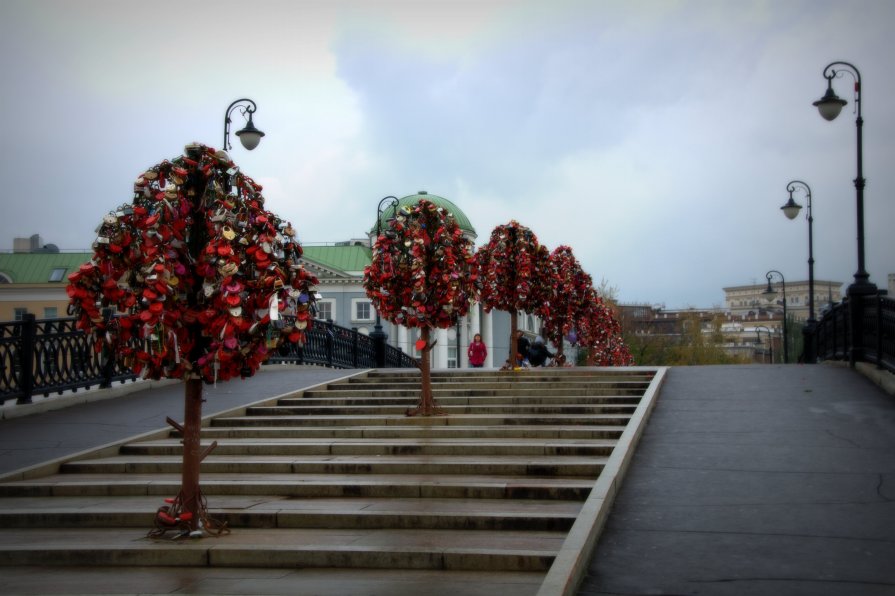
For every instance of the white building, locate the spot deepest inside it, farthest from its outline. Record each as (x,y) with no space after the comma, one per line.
(340,267)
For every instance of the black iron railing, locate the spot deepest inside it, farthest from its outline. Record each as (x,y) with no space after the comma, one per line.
(874,341)
(53,356)
(327,344)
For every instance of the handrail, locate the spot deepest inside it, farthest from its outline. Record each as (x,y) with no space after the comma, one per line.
(835,338)
(52,356)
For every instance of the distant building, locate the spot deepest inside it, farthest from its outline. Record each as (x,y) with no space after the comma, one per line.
(33,279)
(757,336)
(749,301)
(340,266)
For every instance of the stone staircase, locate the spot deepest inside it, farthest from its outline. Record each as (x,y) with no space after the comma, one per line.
(338,478)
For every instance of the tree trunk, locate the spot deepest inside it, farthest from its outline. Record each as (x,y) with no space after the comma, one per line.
(426,400)
(190,495)
(513,344)
(427,405)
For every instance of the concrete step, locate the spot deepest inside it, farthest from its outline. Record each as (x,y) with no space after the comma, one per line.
(347,464)
(309,486)
(450,399)
(449,410)
(307,581)
(268,511)
(285,547)
(465,389)
(430,433)
(453,420)
(487,447)
(527,375)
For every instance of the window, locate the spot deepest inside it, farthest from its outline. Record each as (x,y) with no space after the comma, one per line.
(57,274)
(325,310)
(19,313)
(452,357)
(51,312)
(362,310)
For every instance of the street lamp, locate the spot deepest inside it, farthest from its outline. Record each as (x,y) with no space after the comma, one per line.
(385,204)
(791,210)
(249,136)
(758,329)
(770,294)
(829,107)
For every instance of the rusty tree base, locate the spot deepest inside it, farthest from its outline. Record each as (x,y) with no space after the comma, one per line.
(427,406)
(187,514)
(423,409)
(177,516)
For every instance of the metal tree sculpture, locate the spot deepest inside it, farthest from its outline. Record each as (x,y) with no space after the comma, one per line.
(570,297)
(600,333)
(513,270)
(206,283)
(421,275)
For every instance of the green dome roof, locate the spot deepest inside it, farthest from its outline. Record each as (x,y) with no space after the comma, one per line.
(412,200)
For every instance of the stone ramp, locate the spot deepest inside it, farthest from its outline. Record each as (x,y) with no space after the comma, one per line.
(338,478)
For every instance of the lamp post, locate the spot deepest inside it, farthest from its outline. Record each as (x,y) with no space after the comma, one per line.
(829,107)
(378,335)
(791,210)
(770,294)
(758,329)
(249,136)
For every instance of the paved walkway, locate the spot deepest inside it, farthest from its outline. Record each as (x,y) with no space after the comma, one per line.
(748,480)
(776,480)
(48,435)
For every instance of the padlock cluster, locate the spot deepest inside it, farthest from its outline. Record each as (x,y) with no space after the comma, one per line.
(513,269)
(422,271)
(569,298)
(601,334)
(204,279)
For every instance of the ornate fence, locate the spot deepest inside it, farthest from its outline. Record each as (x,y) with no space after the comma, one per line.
(859,328)
(52,356)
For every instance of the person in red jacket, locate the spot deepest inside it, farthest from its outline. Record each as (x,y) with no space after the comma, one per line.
(477,352)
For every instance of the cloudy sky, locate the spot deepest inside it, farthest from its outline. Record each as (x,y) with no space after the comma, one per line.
(654,137)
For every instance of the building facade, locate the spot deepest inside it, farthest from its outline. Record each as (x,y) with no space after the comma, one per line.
(749,301)
(33,279)
(339,268)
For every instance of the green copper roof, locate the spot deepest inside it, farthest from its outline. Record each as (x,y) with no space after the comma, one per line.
(341,258)
(40,268)
(448,206)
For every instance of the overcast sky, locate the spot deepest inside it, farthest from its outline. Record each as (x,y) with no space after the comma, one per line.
(656,138)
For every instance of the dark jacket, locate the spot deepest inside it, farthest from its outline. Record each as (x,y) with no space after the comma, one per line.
(538,354)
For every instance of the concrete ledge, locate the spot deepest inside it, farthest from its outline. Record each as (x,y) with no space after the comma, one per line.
(49,403)
(113,448)
(68,398)
(571,563)
(879,376)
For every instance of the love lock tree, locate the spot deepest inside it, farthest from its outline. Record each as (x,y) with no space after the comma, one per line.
(206,283)
(514,275)
(568,301)
(600,333)
(421,275)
